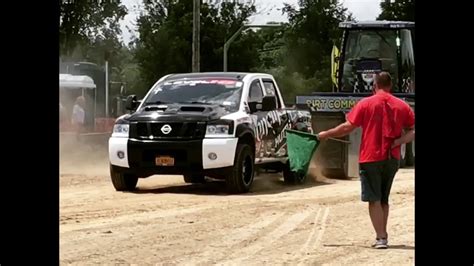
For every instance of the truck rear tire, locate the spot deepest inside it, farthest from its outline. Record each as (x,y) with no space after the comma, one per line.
(240,177)
(123,182)
(291,177)
(194,178)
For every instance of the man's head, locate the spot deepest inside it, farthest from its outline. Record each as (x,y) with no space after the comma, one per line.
(383,81)
(80,101)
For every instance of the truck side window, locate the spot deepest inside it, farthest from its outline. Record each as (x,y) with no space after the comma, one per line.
(271,90)
(255,92)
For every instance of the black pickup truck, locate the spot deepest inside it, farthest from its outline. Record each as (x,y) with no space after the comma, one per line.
(220,125)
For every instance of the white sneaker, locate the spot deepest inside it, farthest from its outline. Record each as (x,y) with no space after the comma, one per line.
(380,243)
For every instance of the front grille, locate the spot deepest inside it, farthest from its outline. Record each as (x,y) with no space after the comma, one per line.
(179,130)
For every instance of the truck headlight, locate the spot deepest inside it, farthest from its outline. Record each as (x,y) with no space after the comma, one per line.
(217,129)
(121,130)
(220,128)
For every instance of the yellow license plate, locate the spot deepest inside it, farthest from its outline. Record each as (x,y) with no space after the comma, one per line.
(164,161)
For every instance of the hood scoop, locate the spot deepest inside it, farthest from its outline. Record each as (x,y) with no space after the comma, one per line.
(199,109)
(156,108)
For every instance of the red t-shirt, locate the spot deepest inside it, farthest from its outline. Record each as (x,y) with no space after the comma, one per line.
(382,118)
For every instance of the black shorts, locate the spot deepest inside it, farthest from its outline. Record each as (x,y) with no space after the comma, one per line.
(376,179)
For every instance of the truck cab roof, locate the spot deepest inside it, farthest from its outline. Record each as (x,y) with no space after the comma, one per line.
(223,75)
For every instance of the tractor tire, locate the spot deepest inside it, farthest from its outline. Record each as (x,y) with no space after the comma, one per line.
(410,156)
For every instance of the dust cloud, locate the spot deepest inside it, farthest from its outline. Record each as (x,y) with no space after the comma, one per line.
(86,156)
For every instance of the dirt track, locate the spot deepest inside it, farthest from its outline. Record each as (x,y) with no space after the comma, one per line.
(169,222)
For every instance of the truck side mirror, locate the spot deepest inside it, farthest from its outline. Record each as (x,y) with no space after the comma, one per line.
(132,103)
(269,103)
(253,106)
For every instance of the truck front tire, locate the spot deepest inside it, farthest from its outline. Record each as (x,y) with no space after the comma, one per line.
(240,177)
(123,182)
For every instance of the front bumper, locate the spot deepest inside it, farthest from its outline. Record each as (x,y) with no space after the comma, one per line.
(191,156)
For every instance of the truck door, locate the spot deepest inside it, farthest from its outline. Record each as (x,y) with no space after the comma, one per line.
(269,124)
(278,118)
(254,99)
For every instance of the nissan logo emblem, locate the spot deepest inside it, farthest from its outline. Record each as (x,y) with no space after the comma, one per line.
(166,129)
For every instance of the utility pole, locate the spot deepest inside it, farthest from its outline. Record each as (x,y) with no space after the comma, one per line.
(107,88)
(196,32)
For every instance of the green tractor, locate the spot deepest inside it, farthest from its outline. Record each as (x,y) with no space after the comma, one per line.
(366,48)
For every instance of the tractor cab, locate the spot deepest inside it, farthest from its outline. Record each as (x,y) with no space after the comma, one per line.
(371,47)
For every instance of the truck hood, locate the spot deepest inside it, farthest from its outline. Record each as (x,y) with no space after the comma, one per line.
(178,112)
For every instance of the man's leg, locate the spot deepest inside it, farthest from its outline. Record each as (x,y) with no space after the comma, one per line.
(386,208)
(390,169)
(371,182)
(377,216)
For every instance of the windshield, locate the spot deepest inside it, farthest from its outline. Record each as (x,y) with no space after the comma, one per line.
(368,49)
(372,44)
(223,92)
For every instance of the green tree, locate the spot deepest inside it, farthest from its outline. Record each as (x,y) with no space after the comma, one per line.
(401,10)
(165,38)
(272,42)
(82,21)
(128,72)
(314,29)
(302,63)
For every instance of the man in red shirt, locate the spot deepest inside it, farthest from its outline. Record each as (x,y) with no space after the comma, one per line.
(383,118)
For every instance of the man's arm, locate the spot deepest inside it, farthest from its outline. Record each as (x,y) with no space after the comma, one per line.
(409,136)
(409,124)
(342,130)
(354,120)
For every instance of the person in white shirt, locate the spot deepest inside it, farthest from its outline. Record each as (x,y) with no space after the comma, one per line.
(78,114)
(62,112)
